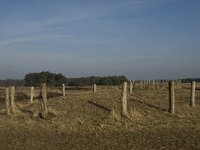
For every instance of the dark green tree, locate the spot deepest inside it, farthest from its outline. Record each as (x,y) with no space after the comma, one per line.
(51,79)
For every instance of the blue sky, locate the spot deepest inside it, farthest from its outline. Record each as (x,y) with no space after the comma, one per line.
(141,39)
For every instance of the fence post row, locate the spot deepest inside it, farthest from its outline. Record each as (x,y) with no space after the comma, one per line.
(171,97)
(192,99)
(44,100)
(11,107)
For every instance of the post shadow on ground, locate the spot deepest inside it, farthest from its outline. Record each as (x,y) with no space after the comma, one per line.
(3,114)
(149,105)
(100,106)
(26,111)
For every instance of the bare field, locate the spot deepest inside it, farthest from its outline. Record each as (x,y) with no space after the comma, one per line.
(87,120)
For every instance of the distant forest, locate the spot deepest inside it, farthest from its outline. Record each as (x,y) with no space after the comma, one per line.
(11,82)
(53,79)
(188,80)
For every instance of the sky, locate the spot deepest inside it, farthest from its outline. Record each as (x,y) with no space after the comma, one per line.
(141,39)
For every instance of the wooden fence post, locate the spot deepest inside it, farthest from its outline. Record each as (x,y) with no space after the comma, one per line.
(12,99)
(94,88)
(32,95)
(124,100)
(140,84)
(149,84)
(166,83)
(192,99)
(171,97)
(180,83)
(157,85)
(7,101)
(63,89)
(44,100)
(131,87)
(153,84)
(133,82)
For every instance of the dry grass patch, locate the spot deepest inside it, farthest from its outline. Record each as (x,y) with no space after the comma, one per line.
(87,120)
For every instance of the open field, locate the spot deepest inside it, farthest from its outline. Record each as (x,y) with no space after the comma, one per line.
(86,120)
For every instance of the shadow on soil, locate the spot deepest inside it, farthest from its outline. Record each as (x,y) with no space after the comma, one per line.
(100,106)
(26,111)
(3,113)
(149,105)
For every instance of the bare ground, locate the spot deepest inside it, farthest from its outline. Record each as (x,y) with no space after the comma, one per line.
(87,120)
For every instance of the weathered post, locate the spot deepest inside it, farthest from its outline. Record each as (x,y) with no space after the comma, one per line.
(94,88)
(145,82)
(192,99)
(43,114)
(32,95)
(157,86)
(63,89)
(149,84)
(44,100)
(153,84)
(124,100)
(7,101)
(140,84)
(165,83)
(131,87)
(171,97)
(133,82)
(12,99)
(180,83)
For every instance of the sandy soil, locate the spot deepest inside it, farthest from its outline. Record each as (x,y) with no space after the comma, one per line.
(87,120)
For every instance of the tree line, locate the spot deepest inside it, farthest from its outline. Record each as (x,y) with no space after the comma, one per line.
(188,80)
(11,82)
(109,80)
(53,79)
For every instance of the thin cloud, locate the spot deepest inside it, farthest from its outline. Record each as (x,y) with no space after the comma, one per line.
(21,31)
(25,39)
